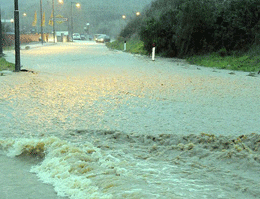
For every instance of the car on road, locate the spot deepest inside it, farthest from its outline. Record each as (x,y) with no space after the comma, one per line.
(76,36)
(103,39)
(96,36)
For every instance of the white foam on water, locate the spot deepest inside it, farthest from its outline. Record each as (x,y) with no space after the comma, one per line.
(79,171)
(68,168)
(116,169)
(16,181)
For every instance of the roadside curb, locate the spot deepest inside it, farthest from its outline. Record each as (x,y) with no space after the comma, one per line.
(35,45)
(6,72)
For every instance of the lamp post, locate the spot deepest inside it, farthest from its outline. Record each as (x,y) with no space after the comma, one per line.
(53,22)
(71,17)
(1,36)
(41,21)
(23,23)
(124,18)
(17,37)
(53,18)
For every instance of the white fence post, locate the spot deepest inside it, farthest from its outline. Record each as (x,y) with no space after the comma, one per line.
(153,53)
(125,46)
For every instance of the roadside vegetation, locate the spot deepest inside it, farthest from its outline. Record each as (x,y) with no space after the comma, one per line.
(4,65)
(134,46)
(214,33)
(248,61)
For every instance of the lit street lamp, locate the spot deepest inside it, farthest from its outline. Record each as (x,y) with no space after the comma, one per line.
(71,17)
(23,23)
(53,19)
(124,18)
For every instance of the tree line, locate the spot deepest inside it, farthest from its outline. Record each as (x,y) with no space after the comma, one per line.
(188,27)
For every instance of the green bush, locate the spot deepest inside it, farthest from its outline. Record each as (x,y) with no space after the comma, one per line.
(189,27)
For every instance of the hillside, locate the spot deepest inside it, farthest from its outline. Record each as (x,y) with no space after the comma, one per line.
(189,27)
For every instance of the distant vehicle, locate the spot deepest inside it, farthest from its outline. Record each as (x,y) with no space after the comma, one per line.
(103,39)
(90,37)
(82,37)
(76,36)
(97,35)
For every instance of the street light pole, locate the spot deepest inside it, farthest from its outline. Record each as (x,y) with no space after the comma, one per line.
(23,23)
(123,17)
(53,24)
(71,17)
(41,20)
(1,36)
(17,37)
(71,22)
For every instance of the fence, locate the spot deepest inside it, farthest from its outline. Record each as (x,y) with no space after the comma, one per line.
(9,38)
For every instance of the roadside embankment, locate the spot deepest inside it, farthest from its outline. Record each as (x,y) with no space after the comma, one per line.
(248,61)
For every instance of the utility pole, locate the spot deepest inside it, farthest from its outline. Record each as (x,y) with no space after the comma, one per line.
(41,20)
(53,22)
(17,37)
(71,22)
(1,36)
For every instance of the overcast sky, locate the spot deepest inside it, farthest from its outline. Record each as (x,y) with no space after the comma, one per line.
(99,13)
(124,4)
(116,6)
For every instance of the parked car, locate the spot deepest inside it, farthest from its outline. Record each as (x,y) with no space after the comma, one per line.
(82,37)
(76,36)
(103,39)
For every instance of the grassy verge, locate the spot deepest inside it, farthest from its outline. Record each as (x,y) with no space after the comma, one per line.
(4,65)
(248,61)
(244,61)
(132,46)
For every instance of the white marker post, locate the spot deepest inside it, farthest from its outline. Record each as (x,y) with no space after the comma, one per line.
(125,46)
(153,53)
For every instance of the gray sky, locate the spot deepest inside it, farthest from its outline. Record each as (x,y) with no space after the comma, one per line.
(103,15)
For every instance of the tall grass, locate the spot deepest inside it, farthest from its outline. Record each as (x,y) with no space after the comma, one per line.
(243,61)
(133,46)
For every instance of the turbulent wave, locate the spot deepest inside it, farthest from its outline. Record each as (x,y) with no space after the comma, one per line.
(162,145)
(112,164)
(67,167)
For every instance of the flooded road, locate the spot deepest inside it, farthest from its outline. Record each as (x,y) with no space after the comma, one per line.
(108,124)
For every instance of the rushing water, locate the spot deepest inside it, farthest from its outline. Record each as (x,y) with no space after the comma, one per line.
(94,123)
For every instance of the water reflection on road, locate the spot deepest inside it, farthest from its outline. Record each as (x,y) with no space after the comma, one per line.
(83,86)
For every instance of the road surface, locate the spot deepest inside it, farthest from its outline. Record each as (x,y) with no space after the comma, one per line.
(131,114)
